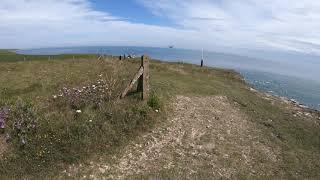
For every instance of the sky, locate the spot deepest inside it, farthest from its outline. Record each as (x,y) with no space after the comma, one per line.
(268,25)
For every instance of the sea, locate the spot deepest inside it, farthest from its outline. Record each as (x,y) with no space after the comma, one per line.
(294,76)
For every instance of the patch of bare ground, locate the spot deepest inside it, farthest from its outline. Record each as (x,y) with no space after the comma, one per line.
(204,137)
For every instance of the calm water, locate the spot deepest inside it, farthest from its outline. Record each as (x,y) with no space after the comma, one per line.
(284,78)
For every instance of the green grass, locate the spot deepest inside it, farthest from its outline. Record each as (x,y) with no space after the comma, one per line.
(7,52)
(63,137)
(10,56)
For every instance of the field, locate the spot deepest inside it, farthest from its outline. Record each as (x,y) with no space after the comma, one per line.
(65,112)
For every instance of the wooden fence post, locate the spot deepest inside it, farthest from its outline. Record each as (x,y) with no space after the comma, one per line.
(145,77)
(142,76)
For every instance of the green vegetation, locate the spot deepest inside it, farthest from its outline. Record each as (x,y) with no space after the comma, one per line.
(6,52)
(60,127)
(154,101)
(11,56)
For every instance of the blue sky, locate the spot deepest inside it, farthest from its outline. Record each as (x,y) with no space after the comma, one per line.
(130,10)
(269,25)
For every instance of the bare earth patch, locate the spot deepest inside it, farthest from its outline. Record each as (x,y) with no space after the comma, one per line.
(205,137)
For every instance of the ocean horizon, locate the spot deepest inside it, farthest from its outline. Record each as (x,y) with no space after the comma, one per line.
(277,78)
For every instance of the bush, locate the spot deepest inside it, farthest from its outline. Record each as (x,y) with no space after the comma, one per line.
(154,101)
(23,123)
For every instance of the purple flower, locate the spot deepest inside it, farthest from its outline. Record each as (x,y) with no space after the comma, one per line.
(2,123)
(4,113)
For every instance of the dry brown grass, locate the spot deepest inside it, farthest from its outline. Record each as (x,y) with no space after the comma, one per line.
(4,146)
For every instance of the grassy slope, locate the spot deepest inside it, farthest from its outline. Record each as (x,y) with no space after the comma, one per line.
(64,137)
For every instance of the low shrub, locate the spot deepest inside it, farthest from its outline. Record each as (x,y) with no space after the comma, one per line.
(22,123)
(154,101)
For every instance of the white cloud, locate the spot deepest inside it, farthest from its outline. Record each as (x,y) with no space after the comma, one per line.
(279,24)
(254,24)
(45,23)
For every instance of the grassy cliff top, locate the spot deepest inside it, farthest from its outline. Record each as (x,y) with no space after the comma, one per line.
(64,110)
(7,52)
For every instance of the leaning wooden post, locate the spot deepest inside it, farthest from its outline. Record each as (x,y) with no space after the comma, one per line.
(133,81)
(142,76)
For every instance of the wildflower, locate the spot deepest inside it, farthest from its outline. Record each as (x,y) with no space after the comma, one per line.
(90,120)
(23,141)
(4,113)
(2,126)
(8,137)
(157,110)
(55,97)
(78,111)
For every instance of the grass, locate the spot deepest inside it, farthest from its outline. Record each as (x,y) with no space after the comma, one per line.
(11,56)
(62,136)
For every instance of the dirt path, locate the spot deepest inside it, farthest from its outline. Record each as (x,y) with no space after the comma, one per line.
(205,137)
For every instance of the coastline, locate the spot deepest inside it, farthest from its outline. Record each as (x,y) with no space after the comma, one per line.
(283,98)
(298,108)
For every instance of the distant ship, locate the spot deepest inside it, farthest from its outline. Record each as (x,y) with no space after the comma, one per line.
(171,47)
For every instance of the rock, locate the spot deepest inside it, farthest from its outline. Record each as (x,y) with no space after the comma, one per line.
(253,90)
(303,106)
(102,170)
(293,100)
